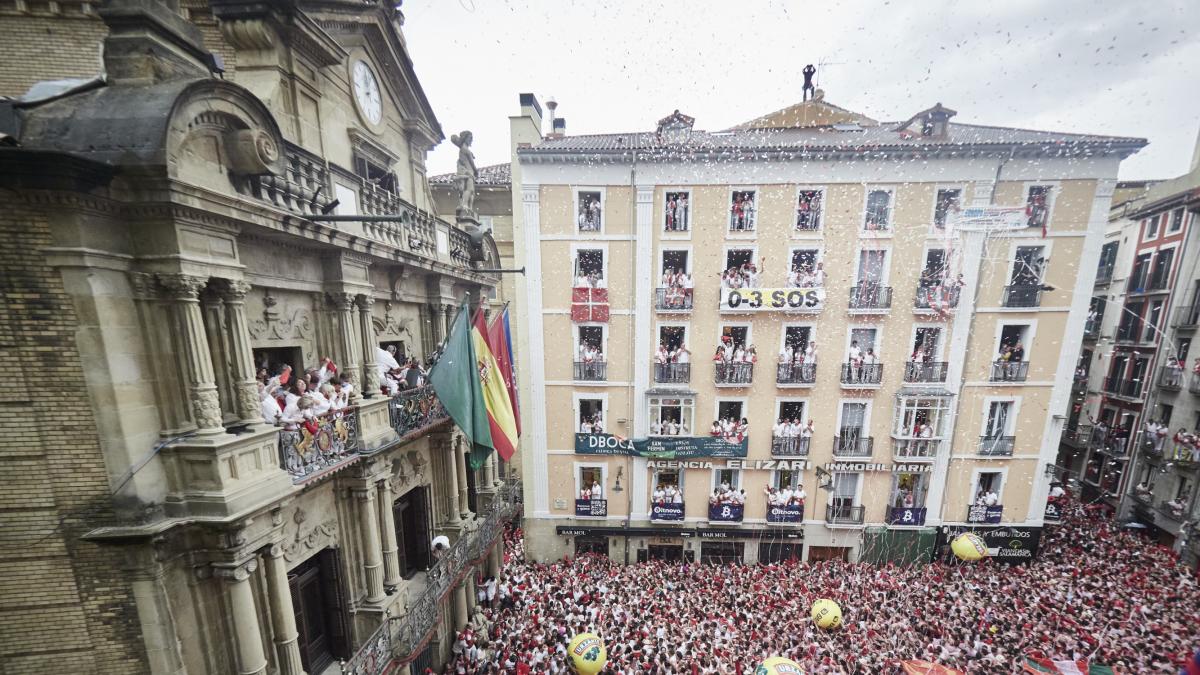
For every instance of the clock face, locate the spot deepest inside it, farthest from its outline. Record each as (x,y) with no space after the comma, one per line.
(366,92)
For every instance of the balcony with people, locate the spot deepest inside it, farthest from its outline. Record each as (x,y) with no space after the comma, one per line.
(674,295)
(1010,364)
(666,499)
(919,427)
(906,503)
(797,357)
(938,290)
(853,443)
(1170,376)
(791,437)
(672,358)
(785,501)
(733,362)
(727,503)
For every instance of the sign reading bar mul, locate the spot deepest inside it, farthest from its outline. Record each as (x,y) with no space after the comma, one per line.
(772,299)
(659,447)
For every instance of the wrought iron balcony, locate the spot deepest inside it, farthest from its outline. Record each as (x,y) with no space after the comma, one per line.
(672,373)
(733,373)
(929,371)
(1104,272)
(790,446)
(309,448)
(868,374)
(1010,371)
(851,444)
(1023,295)
(591,371)
(1078,436)
(997,446)
(796,373)
(870,297)
(673,299)
(1194,383)
(910,448)
(843,514)
(1187,316)
(1170,379)
(936,297)
(414,410)
(1119,386)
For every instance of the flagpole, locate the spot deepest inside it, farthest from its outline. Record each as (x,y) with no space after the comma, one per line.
(466,300)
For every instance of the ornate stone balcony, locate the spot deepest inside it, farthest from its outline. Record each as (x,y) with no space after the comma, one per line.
(319,446)
(416,410)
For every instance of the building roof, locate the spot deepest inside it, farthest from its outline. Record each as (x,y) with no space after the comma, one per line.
(817,128)
(495,175)
(1179,191)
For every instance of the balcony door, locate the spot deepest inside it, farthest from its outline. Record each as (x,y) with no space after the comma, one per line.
(928,344)
(318,600)
(999,414)
(1028,266)
(934,271)
(853,422)
(411,515)
(845,494)
(871,267)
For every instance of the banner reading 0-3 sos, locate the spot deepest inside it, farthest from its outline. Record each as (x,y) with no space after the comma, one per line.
(772,299)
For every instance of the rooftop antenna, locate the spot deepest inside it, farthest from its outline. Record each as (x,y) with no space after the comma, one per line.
(821,65)
(551,105)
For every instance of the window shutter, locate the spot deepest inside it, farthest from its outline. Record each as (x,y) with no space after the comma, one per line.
(336,607)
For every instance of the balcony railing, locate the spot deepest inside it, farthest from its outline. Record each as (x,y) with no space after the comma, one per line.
(414,410)
(843,514)
(1129,332)
(996,446)
(398,639)
(1010,371)
(851,444)
(870,296)
(673,299)
(790,446)
(1170,379)
(796,373)
(733,373)
(1023,295)
(1104,272)
(1187,316)
(594,371)
(308,448)
(1194,384)
(864,374)
(1119,386)
(1091,328)
(929,371)
(1079,435)
(672,373)
(907,448)
(936,297)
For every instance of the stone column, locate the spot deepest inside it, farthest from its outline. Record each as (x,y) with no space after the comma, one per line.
(439,326)
(214,332)
(387,527)
(449,317)
(184,291)
(240,354)
(347,346)
(460,606)
(247,636)
(283,616)
(372,564)
(370,345)
(154,616)
(460,466)
(161,352)
(445,451)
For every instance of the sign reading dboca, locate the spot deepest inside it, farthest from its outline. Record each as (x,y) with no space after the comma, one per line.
(772,299)
(659,447)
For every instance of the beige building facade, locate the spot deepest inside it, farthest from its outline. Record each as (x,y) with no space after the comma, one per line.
(906,446)
(175,228)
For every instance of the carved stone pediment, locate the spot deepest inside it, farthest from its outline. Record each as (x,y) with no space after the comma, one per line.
(301,538)
(281,324)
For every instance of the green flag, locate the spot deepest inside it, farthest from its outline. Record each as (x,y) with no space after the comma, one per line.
(455,378)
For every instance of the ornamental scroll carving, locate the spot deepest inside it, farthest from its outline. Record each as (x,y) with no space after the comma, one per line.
(299,541)
(390,325)
(408,471)
(281,324)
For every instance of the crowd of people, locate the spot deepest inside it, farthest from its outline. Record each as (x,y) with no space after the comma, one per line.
(288,399)
(666,354)
(746,275)
(396,375)
(731,429)
(1095,592)
(724,494)
(805,275)
(589,280)
(676,212)
(793,428)
(666,493)
(742,212)
(669,426)
(592,424)
(677,289)
(786,496)
(589,212)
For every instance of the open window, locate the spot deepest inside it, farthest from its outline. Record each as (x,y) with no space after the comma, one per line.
(588,209)
(731,410)
(988,482)
(921,417)
(1000,419)
(809,206)
(671,414)
(673,337)
(864,339)
(675,261)
(927,344)
(273,359)
(743,210)
(738,257)
(1037,205)
(1176,221)
(590,482)
(729,479)
(852,421)
(591,416)
(791,410)
(735,336)
(796,339)
(844,499)
(1028,266)
(589,268)
(872,267)
(1139,278)
(1160,274)
(933,273)
(947,203)
(806,270)
(1154,317)
(878,215)
(909,491)
(677,212)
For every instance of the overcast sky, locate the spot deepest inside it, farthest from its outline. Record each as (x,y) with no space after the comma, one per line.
(1129,68)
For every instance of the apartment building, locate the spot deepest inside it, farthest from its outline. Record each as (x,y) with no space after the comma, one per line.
(819,249)
(240,195)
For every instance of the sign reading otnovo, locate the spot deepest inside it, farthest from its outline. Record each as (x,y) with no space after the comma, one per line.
(772,299)
(659,447)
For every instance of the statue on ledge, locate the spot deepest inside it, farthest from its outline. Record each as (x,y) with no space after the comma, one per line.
(466,175)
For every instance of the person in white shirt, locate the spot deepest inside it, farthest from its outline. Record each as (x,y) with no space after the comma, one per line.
(785,355)
(799,495)
(585,427)
(785,495)
(321,399)
(869,358)
(990,498)
(388,367)
(855,354)
(772,495)
(682,355)
(271,411)
(1057,491)
(778,430)
(659,495)
(808,430)
(739,354)
(597,491)
(683,429)
(676,496)
(656,428)
(810,352)
(672,428)
(660,354)
(818,276)
(597,426)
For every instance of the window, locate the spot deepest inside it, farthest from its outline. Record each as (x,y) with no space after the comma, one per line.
(589,210)
(948,202)
(675,261)
(921,417)
(1139,279)
(1014,337)
(589,268)
(411,517)
(796,339)
(808,210)
(1153,317)
(671,414)
(853,420)
(806,270)
(999,419)
(909,490)
(1037,205)
(591,416)
(728,479)
(1162,269)
(590,482)
(791,410)
(739,257)
(927,345)
(677,211)
(1150,228)
(1129,328)
(592,336)
(664,478)
(672,337)
(787,479)
(743,210)
(879,210)
(872,266)
(1182,346)
(1165,412)
(730,410)
(845,492)
(735,336)
(934,271)
(1108,261)
(1176,220)
(863,338)
(1028,266)
(989,481)
(374,172)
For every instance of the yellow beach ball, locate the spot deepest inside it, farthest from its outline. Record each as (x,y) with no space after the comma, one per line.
(587,653)
(826,614)
(777,665)
(969,546)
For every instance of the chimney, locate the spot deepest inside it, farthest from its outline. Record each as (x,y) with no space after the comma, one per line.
(560,127)
(552,106)
(531,109)
(148,42)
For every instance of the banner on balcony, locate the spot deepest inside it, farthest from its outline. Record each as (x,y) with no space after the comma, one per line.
(1053,512)
(666,512)
(772,299)
(589,305)
(906,516)
(984,514)
(785,514)
(659,447)
(726,513)
(592,508)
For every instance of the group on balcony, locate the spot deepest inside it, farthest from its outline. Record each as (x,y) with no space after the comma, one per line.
(785,428)
(589,280)
(1154,434)
(667,494)
(1173,372)
(723,494)
(742,211)
(676,212)
(986,497)
(786,496)
(936,291)
(734,361)
(591,424)
(395,376)
(670,427)
(1187,446)
(287,399)
(861,365)
(591,359)
(807,275)
(1009,364)
(677,288)
(731,429)
(667,354)
(589,212)
(594,491)
(746,275)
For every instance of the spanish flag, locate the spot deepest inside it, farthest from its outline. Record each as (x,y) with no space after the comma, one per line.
(495,395)
(500,340)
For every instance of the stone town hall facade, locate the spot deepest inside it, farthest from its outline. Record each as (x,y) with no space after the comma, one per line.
(163,240)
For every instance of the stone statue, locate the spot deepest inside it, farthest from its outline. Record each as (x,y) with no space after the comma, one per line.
(466,174)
